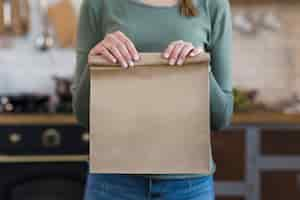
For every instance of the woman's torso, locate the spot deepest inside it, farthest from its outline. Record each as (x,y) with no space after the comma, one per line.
(152,28)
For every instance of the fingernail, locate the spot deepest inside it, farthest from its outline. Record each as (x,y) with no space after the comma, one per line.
(180,61)
(172,61)
(131,63)
(114,60)
(193,53)
(166,55)
(136,57)
(125,65)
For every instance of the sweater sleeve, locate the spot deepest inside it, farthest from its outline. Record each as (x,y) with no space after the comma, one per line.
(220,76)
(88,35)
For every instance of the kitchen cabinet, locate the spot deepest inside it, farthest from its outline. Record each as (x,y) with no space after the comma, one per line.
(280,185)
(229,154)
(280,177)
(280,142)
(257,157)
(44,151)
(264,151)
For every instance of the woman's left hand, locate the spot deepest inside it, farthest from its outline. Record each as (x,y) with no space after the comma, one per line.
(178,51)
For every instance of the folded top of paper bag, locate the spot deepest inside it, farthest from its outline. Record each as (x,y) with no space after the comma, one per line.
(149,58)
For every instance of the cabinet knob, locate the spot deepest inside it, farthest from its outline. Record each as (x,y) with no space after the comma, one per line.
(51,138)
(85,137)
(15,138)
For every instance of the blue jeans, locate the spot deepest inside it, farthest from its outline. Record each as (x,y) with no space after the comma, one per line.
(130,187)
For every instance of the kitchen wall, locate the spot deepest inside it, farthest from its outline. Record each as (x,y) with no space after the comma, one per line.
(24,69)
(269,60)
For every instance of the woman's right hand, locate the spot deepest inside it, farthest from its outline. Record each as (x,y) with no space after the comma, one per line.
(116,47)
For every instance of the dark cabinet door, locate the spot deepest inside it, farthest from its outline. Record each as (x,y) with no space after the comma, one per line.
(280,185)
(228,148)
(280,142)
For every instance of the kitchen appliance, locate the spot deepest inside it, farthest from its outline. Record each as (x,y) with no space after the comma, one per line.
(24,103)
(42,181)
(59,102)
(42,157)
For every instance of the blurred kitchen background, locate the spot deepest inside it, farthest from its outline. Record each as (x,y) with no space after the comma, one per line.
(43,151)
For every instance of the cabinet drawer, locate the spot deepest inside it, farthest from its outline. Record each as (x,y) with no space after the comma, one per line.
(280,142)
(228,148)
(280,185)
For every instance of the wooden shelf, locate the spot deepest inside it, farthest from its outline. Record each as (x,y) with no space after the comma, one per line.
(265,118)
(238,118)
(24,119)
(42,158)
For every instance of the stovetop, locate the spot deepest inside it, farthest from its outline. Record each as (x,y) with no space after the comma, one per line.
(35,103)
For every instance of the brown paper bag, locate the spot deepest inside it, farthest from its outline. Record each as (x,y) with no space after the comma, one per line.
(150,118)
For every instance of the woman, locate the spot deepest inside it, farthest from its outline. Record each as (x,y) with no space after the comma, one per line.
(118,30)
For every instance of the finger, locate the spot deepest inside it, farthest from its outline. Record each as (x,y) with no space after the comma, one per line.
(169,49)
(108,56)
(123,50)
(125,53)
(117,54)
(175,53)
(196,51)
(96,50)
(185,51)
(101,50)
(129,44)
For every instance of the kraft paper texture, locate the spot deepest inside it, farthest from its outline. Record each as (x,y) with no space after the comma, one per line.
(150,118)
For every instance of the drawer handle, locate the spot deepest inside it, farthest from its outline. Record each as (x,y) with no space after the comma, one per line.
(85,137)
(15,138)
(51,138)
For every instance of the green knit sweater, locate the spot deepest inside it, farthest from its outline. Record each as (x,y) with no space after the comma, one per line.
(152,28)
